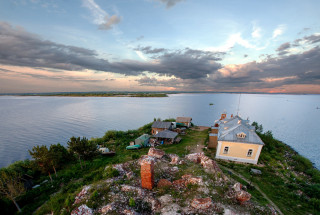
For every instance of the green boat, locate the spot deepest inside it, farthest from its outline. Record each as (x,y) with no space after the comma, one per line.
(133,147)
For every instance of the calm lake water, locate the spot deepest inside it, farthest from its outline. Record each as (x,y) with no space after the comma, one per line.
(29,121)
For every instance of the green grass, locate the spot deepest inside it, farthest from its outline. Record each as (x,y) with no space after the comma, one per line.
(187,144)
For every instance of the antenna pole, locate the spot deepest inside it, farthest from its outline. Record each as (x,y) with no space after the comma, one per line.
(238,105)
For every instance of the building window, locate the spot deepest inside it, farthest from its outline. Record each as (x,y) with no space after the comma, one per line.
(249,153)
(226,150)
(241,135)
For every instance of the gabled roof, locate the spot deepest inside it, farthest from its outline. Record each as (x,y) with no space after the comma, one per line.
(230,128)
(183,119)
(144,137)
(166,134)
(159,124)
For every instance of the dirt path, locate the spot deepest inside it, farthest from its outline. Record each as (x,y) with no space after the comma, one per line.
(257,187)
(200,144)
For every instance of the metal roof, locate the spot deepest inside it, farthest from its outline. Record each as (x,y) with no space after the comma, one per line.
(159,124)
(144,137)
(230,128)
(166,134)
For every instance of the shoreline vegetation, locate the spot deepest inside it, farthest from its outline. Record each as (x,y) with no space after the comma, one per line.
(99,94)
(288,179)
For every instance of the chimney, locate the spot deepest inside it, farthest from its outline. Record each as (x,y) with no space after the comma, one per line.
(231,115)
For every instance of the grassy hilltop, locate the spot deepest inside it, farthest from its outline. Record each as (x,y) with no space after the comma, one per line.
(288,180)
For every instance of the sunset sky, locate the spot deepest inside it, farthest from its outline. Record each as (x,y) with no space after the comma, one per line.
(160,45)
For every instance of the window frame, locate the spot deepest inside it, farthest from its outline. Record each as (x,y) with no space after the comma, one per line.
(226,151)
(250,155)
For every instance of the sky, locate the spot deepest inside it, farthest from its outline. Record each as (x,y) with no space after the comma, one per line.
(160,45)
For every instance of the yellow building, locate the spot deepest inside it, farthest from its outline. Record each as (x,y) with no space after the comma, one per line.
(235,139)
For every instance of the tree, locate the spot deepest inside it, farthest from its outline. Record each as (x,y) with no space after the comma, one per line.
(42,158)
(58,155)
(83,148)
(258,128)
(11,186)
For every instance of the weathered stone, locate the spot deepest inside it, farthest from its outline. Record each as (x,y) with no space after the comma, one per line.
(237,187)
(82,210)
(107,208)
(202,203)
(174,159)
(129,212)
(155,203)
(243,196)
(186,176)
(129,175)
(120,168)
(164,183)
(194,180)
(147,173)
(157,153)
(179,183)
(142,158)
(166,199)
(195,157)
(82,195)
(128,188)
(172,209)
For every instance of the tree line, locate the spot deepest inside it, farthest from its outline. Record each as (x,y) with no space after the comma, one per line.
(47,161)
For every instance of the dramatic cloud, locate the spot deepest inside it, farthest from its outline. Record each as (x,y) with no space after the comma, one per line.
(109,22)
(312,39)
(150,50)
(283,48)
(170,3)
(301,68)
(20,48)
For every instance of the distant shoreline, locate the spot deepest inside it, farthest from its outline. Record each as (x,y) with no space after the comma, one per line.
(95,94)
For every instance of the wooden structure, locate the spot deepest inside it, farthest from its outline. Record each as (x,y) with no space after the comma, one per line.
(186,121)
(166,137)
(158,126)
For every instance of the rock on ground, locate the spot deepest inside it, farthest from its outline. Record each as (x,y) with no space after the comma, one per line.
(202,203)
(157,153)
(82,210)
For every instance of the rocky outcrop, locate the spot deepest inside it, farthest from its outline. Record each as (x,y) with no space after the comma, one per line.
(240,195)
(82,210)
(128,188)
(164,183)
(201,203)
(82,195)
(157,153)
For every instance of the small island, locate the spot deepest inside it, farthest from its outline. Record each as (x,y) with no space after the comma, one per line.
(183,176)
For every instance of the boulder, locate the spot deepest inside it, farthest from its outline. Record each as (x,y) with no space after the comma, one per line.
(174,159)
(155,203)
(179,183)
(107,208)
(166,199)
(164,183)
(237,187)
(201,203)
(195,157)
(243,196)
(82,210)
(194,180)
(157,153)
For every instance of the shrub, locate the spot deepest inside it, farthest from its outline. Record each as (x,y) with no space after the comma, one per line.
(110,172)
(132,203)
